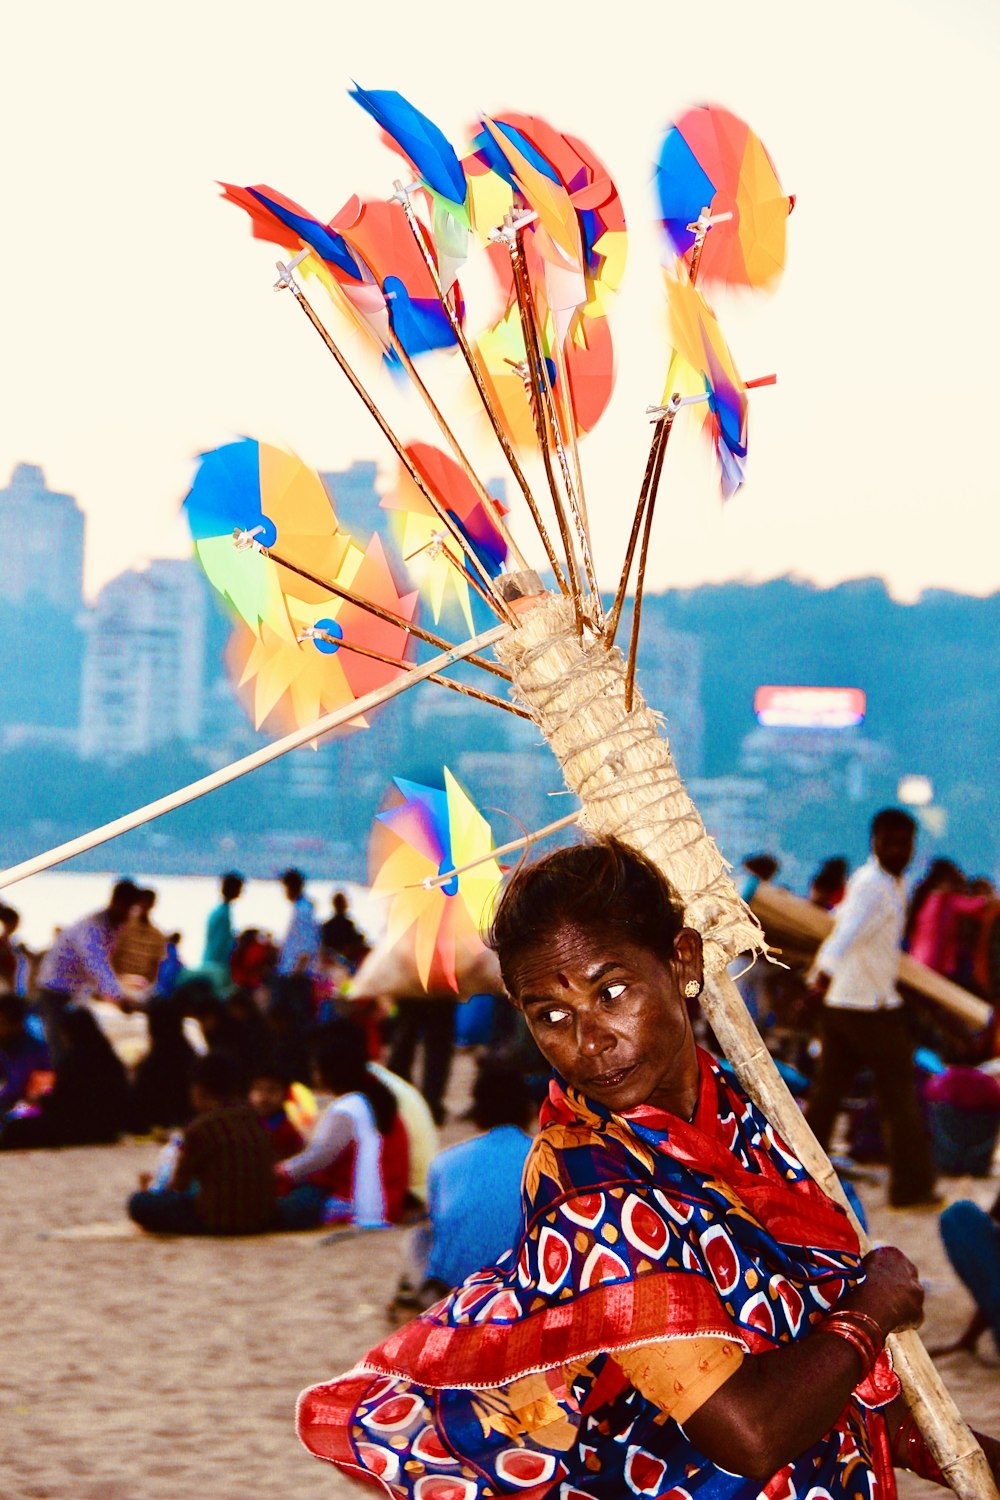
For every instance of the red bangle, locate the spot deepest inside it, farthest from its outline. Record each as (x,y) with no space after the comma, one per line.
(858,1338)
(911,1452)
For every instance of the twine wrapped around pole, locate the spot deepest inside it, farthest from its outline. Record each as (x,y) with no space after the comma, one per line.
(619,765)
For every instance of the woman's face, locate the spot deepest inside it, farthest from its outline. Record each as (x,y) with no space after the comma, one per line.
(608,1015)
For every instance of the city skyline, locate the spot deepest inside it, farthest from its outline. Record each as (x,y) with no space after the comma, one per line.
(150,331)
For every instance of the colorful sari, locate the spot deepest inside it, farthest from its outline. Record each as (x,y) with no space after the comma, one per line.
(654,1255)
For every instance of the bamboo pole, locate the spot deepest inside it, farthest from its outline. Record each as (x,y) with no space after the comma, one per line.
(250,762)
(286,282)
(620,767)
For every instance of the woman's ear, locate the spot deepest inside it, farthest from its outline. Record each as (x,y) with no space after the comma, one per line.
(687,961)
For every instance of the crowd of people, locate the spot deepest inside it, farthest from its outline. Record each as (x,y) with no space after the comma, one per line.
(284,1105)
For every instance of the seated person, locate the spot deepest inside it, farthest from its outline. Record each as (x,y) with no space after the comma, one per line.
(971,1237)
(268,1093)
(223,1178)
(355,1167)
(421,1132)
(22,1056)
(160,1092)
(87,1104)
(474,1193)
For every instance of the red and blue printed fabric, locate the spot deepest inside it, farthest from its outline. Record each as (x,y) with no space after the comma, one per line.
(636,1229)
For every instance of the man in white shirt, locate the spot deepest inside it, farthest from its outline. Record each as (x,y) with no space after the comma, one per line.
(863,1020)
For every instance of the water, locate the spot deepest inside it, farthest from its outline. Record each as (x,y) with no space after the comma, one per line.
(57,897)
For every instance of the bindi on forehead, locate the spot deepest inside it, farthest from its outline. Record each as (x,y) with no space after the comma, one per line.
(563,981)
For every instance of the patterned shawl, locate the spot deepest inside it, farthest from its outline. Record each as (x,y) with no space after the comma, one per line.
(636,1229)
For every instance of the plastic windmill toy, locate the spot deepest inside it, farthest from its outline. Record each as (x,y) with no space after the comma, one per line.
(324,633)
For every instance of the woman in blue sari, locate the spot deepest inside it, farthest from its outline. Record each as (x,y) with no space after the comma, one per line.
(684,1313)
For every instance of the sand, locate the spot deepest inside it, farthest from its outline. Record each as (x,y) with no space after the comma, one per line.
(145,1369)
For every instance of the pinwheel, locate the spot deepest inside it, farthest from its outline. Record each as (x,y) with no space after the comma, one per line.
(338,651)
(423,545)
(297,604)
(429,832)
(704,367)
(710,160)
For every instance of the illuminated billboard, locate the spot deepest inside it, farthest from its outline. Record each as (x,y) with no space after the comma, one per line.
(809,707)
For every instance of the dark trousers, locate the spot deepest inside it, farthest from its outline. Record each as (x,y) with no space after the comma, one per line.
(431,1022)
(51,1005)
(972,1240)
(878,1040)
(165,1212)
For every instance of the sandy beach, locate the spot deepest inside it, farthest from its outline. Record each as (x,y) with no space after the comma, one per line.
(144,1369)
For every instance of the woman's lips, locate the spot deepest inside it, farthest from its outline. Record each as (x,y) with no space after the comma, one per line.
(609,1080)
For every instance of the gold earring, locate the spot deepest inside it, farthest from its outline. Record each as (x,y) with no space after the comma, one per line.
(692,989)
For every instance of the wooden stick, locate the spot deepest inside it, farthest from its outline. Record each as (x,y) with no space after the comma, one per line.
(419,631)
(532,355)
(286,282)
(781,910)
(472,363)
(392,661)
(523,843)
(250,762)
(611,629)
(640,583)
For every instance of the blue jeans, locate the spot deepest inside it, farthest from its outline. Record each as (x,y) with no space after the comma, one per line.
(972,1240)
(165,1212)
(308,1206)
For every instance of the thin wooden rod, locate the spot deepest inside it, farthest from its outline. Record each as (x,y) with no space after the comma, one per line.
(652,466)
(251,762)
(559,442)
(523,293)
(640,582)
(433,881)
(392,661)
(286,281)
(371,608)
(456,563)
(479,380)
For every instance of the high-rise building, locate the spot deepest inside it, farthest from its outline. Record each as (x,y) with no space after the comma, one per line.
(42,551)
(144,664)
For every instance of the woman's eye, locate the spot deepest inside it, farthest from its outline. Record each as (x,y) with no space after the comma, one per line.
(553,1017)
(614,990)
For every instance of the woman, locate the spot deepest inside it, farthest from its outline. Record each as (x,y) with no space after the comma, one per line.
(356,1165)
(88,1102)
(684,1311)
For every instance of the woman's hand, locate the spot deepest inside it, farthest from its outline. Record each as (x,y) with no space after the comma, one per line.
(891,1293)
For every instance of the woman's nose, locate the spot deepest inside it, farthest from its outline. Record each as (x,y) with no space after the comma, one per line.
(593,1035)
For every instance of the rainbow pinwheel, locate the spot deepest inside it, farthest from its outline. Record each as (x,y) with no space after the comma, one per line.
(287,651)
(426,833)
(703,364)
(430,554)
(711,160)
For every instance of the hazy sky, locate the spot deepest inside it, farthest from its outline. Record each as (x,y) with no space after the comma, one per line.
(139,326)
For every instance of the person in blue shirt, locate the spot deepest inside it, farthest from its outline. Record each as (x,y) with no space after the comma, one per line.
(220,938)
(292,982)
(473,1193)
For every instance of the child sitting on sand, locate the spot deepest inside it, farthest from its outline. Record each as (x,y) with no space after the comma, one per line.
(355,1167)
(223,1178)
(268,1093)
